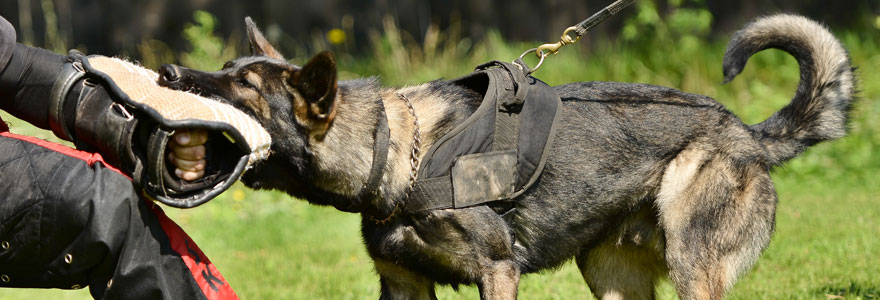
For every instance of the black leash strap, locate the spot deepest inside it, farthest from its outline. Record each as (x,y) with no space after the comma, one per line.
(610,10)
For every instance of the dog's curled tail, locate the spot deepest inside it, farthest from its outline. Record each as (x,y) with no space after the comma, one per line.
(820,108)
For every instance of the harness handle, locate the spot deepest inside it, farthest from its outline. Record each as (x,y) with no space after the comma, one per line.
(572,34)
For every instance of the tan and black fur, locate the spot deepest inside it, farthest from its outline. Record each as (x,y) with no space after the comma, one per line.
(642,181)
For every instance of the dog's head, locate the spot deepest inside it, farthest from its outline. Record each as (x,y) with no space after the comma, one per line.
(265,82)
(295,104)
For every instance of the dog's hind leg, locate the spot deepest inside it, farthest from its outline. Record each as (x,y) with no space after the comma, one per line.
(401,284)
(628,264)
(717,214)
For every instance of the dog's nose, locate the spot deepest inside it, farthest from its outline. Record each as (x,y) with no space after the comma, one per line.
(169,73)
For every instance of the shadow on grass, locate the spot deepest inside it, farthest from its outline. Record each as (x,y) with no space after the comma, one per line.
(861,290)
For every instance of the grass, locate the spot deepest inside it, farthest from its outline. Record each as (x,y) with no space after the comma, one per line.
(269,246)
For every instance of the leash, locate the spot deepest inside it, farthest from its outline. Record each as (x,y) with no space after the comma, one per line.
(578,30)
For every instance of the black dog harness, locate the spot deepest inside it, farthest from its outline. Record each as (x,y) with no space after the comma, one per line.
(495,155)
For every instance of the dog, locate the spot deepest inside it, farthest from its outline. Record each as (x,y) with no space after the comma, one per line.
(643,181)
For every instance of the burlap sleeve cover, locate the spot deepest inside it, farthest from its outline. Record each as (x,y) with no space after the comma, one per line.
(136,87)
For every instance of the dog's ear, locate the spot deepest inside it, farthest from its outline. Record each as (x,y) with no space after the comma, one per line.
(259,45)
(316,84)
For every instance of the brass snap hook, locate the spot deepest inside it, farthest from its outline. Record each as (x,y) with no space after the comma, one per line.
(565,39)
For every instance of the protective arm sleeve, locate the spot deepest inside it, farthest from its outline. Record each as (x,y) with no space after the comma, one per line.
(26,83)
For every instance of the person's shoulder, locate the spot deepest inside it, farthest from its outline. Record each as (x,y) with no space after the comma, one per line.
(7,41)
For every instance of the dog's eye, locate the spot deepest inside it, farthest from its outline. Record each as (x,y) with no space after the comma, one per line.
(245,83)
(227,65)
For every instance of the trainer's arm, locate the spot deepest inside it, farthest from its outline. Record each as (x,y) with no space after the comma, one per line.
(26,78)
(27,75)
(7,42)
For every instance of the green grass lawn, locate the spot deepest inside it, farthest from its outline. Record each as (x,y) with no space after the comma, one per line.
(826,245)
(272,247)
(269,246)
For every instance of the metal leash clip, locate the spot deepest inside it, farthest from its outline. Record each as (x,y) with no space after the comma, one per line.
(565,39)
(579,30)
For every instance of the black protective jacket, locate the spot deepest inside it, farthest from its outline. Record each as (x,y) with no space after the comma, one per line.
(68,220)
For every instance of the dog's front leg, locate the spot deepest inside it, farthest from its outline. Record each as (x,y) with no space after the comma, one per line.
(401,284)
(499,281)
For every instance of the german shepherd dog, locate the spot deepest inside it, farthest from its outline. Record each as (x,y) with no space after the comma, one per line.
(643,181)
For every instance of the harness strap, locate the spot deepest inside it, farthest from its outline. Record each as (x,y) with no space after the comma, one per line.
(511,96)
(431,193)
(380,155)
(507,103)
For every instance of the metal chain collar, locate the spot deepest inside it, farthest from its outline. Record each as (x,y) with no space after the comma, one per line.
(413,161)
(416,146)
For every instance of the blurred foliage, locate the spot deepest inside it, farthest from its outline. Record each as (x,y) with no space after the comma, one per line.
(208,51)
(686,24)
(117,27)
